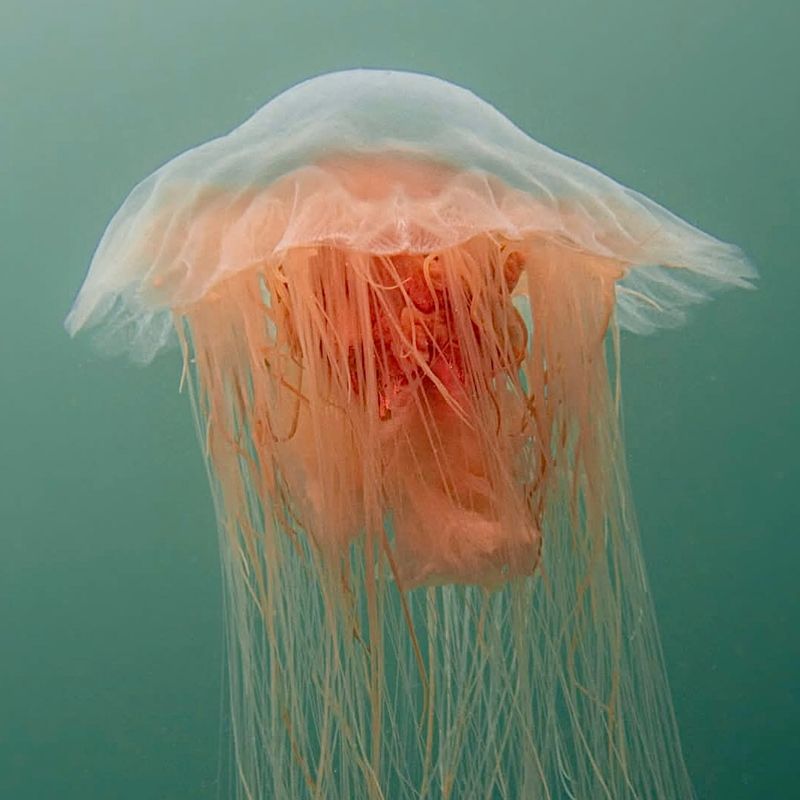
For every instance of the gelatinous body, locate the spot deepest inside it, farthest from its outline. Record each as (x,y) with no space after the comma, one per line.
(399,320)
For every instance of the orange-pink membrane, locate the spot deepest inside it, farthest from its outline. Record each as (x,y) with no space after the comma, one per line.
(409,360)
(419,365)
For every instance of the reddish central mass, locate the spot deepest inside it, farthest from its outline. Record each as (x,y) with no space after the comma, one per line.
(413,329)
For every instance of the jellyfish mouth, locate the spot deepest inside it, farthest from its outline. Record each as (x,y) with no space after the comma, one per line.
(414,334)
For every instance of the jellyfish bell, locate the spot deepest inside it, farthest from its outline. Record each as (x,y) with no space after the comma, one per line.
(395,311)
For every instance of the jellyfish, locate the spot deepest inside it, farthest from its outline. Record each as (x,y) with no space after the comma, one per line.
(399,319)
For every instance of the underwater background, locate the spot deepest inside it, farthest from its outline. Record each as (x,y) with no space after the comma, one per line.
(110,599)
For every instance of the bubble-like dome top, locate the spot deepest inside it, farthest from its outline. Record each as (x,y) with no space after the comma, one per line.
(385,162)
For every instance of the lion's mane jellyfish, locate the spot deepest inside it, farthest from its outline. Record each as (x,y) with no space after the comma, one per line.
(399,320)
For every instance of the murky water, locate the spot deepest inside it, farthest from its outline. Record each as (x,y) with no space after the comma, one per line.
(110,611)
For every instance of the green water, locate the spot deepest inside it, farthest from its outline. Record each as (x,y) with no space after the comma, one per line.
(110,619)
